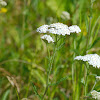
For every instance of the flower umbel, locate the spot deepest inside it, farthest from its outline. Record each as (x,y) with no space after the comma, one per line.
(95,94)
(98,78)
(42,29)
(48,38)
(74,28)
(58,28)
(3,3)
(92,59)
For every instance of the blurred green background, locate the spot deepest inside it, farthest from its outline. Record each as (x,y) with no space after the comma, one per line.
(23,54)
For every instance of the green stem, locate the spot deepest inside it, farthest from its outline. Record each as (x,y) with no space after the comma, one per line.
(93,86)
(23,27)
(86,82)
(17,94)
(88,35)
(73,71)
(50,68)
(86,79)
(27,91)
(79,81)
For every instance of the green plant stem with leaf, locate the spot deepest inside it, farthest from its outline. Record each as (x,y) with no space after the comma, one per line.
(86,79)
(94,85)
(50,65)
(51,59)
(74,69)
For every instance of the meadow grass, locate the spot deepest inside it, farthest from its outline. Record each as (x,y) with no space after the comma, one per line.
(31,69)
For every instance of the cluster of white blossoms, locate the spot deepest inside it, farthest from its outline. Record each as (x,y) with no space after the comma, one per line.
(98,78)
(95,94)
(42,29)
(47,38)
(92,59)
(74,28)
(3,3)
(59,29)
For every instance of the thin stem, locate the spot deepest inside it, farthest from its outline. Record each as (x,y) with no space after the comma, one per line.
(51,58)
(23,27)
(27,91)
(86,79)
(89,33)
(17,94)
(86,82)
(73,70)
(73,67)
(93,86)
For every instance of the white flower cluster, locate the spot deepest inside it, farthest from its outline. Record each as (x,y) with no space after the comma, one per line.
(92,59)
(95,94)
(48,38)
(59,29)
(3,3)
(74,28)
(98,78)
(42,29)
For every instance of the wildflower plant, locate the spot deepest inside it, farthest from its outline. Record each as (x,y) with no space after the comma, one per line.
(94,60)
(60,77)
(56,32)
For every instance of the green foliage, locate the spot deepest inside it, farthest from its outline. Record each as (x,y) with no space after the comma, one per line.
(24,55)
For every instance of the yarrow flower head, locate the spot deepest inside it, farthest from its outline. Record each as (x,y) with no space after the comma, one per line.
(95,94)
(92,59)
(98,78)
(74,28)
(3,3)
(48,38)
(42,29)
(57,28)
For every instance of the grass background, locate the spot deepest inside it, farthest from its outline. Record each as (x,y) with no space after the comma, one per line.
(23,54)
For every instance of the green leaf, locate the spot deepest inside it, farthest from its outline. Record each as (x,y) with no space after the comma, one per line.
(93,44)
(95,25)
(56,83)
(86,22)
(5,96)
(60,46)
(57,6)
(35,91)
(83,81)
